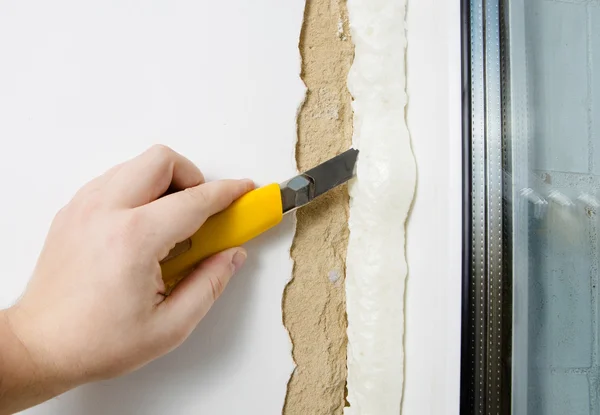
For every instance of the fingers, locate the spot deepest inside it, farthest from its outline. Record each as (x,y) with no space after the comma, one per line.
(148,176)
(178,216)
(195,295)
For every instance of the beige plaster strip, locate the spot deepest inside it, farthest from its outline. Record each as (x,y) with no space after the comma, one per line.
(314,306)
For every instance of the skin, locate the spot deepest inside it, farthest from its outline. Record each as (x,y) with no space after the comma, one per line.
(95,306)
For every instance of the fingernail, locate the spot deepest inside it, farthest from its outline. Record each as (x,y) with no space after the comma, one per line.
(238,260)
(249,183)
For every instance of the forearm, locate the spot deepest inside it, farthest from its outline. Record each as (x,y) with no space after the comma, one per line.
(24,380)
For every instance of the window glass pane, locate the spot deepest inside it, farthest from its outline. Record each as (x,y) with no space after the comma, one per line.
(554,55)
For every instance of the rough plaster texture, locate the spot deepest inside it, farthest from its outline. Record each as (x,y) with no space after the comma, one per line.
(314,306)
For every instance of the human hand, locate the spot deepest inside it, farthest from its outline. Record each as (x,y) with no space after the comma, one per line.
(95,307)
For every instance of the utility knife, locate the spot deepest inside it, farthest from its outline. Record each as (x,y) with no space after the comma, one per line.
(254,213)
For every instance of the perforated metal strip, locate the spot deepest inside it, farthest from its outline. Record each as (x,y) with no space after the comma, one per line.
(493,156)
(484,360)
(478,284)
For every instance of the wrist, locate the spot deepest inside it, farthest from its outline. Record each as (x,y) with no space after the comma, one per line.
(27,376)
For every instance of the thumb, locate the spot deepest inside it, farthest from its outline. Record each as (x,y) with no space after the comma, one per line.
(195,295)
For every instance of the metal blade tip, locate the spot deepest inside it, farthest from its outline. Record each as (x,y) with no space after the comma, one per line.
(333,172)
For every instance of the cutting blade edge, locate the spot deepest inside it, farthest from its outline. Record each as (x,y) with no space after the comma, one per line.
(333,172)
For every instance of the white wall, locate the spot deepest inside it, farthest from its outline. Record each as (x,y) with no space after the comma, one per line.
(84,85)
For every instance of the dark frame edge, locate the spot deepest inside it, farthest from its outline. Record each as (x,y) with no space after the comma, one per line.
(465,364)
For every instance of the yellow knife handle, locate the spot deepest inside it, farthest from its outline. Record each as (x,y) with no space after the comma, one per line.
(246,218)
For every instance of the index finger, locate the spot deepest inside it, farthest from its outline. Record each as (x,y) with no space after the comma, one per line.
(149,175)
(176,217)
